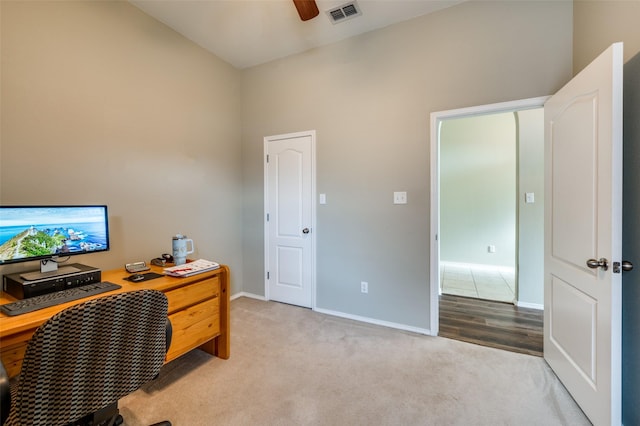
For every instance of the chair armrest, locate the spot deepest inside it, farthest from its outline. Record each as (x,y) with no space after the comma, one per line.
(169,333)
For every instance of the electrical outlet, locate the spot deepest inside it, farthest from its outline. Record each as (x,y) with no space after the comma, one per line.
(364,287)
(491,248)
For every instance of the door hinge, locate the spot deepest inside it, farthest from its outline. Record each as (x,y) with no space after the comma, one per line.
(267,217)
(267,158)
(267,274)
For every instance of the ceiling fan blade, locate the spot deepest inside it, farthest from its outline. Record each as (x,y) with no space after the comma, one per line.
(307,9)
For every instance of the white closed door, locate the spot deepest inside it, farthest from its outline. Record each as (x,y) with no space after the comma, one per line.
(583,236)
(289,215)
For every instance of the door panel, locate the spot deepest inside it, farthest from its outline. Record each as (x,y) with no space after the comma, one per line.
(574,126)
(571,309)
(583,220)
(290,261)
(287,171)
(289,211)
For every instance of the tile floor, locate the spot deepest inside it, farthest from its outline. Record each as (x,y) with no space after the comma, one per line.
(478,281)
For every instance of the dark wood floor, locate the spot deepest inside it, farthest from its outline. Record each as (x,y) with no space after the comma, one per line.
(494,324)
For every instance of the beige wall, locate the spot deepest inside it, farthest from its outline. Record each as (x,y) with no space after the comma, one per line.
(369,98)
(103,104)
(598,24)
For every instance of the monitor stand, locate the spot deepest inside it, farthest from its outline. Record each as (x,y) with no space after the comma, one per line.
(49,268)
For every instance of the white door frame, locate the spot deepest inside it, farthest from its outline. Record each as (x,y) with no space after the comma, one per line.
(436,121)
(267,139)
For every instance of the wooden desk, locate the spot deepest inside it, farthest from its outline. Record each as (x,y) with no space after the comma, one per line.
(198,310)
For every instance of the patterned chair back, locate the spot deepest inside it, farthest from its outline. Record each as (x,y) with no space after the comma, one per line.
(89,356)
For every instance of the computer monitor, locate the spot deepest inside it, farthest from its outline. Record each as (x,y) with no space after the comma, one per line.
(51,233)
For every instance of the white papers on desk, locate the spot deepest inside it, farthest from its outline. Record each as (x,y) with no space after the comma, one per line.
(192,268)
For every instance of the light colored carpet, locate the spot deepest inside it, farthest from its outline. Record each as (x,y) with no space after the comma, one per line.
(293,366)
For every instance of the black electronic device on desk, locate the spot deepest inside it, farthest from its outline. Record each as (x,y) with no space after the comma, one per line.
(52,299)
(160,261)
(20,288)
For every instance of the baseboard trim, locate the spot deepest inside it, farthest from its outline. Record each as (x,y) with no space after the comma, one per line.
(249,295)
(374,321)
(347,316)
(505,269)
(530,305)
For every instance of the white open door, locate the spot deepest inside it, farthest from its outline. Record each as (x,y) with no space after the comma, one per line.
(583,236)
(290,218)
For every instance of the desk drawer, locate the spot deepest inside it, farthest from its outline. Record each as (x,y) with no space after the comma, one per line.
(194,326)
(12,357)
(192,294)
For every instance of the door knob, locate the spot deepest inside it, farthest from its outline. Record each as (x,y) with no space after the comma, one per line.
(305,231)
(602,263)
(627,266)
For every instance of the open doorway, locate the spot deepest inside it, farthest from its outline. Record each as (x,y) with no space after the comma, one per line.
(478,206)
(527,226)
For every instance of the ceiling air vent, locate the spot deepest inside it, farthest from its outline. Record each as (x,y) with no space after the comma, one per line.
(344,12)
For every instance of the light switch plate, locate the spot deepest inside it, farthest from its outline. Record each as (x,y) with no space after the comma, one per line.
(529,197)
(400,198)
(323,198)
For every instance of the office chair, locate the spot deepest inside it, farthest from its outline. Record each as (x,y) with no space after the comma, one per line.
(85,358)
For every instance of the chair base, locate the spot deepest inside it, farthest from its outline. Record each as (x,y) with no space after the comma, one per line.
(107,416)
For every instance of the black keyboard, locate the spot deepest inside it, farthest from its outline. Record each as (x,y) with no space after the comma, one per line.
(51,299)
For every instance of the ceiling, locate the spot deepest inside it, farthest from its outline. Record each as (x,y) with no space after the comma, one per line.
(251,32)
